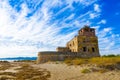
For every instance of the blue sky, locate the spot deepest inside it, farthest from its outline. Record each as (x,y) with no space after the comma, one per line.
(30,26)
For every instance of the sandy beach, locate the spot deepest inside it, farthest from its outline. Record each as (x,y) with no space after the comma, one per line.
(65,72)
(61,71)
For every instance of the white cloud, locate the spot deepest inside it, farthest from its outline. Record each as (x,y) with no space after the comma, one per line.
(108,41)
(93,15)
(103,21)
(97,8)
(23,36)
(96,13)
(15,50)
(21,29)
(107,30)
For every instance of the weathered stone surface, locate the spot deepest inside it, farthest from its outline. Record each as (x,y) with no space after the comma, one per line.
(84,45)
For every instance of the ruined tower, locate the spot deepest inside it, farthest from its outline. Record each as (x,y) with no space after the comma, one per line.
(86,42)
(83,45)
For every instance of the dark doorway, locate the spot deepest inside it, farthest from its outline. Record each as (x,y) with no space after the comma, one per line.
(84,49)
(93,49)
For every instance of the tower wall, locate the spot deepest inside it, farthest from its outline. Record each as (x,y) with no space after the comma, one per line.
(86,42)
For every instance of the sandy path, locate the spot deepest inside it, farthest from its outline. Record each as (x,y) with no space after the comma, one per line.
(64,72)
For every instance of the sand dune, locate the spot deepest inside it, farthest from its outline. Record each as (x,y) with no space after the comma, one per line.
(61,71)
(64,72)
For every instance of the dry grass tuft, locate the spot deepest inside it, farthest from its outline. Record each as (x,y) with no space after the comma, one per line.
(110,63)
(5,65)
(26,72)
(85,71)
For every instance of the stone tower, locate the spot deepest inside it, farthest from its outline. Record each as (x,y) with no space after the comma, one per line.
(86,42)
(84,45)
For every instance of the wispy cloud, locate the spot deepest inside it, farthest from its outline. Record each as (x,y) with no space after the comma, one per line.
(103,21)
(36,25)
(97,8)
(94,15)
(108,41)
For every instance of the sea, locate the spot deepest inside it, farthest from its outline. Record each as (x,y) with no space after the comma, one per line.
(18,59)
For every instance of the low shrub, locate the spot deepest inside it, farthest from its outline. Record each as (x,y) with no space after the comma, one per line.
(85,71)
(78,61)
(68,62)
